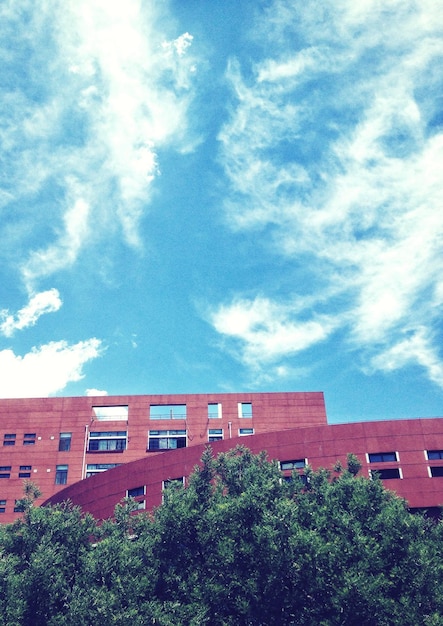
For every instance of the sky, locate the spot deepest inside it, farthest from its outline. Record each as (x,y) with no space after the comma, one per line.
(221,196)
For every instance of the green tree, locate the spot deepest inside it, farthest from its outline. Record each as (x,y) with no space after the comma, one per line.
(238,546)
(241,546)
(41,558)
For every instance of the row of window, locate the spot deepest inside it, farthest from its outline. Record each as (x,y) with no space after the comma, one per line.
(116,441)
(166,411)
(61,472)
(24,471)
(138,493)
(178,411)
(380,457)
(9,439)
(17,508)
(29,439)
(387,457)
(373,457)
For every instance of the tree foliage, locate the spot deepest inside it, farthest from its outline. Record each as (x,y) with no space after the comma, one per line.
(237,546)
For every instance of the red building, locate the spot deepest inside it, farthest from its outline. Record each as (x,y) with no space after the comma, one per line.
(57,442)
(96,451)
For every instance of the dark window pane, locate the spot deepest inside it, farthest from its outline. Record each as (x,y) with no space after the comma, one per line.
(61,475)
(64,444)
(382,457)
(386,474)
(434,455)
(136,491)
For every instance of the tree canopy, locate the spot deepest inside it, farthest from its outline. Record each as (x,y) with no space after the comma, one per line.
(238,546)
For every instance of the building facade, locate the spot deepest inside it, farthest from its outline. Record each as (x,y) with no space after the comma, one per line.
(96,451)
(57,442)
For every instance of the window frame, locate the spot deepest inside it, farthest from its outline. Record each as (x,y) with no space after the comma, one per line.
(381,455)
(167,435)
(172,481)
(29,439)
(61,474)
(25,471)
(245,410)
(168,411)
(139,495)
(120,437)
(64,437)
(293,464)
(242,432)
(434,455)
(5,471)
(215,434)
(386,473)
(18,508)
(212,414)
(97,469)
(113,415)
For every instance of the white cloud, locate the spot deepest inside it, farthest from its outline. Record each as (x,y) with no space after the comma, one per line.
(45,370)
(63,253)
(332,151)
(39,304)
(96,392)
(266,331)
(416,349)
(108,86)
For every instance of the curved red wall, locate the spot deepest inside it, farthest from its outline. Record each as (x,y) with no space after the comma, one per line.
(322,446)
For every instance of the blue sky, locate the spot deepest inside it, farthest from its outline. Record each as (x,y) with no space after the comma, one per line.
(209,196)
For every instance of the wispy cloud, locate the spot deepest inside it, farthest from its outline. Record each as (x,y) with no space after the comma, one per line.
(102,87)
(419,348)
(334,150)
(39,304)
(268,330)
(45,370)
(91,90)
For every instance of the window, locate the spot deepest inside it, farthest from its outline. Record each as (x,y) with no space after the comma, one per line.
(172,483)
(110,413)
(61,475)
(299,477)
(9,439)
(166,439)
(382,457)
(245,409)
(64,443)
(386,474)
(5,471)
(214,410)
(107,441)
(436,472)
(98,468)
(2,506)
(25,471)
(215,434)
(18,506)
(434,455)
(29,439)
(245,431)
(167,412)
(292,465)
(136,492)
